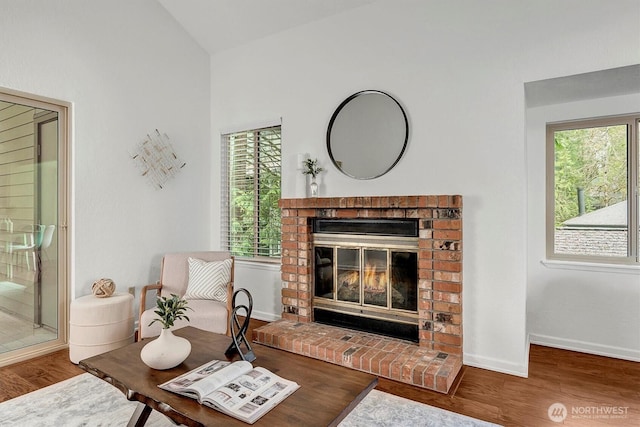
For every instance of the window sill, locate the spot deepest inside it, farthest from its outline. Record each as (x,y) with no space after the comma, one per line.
(257,262)
(592,266)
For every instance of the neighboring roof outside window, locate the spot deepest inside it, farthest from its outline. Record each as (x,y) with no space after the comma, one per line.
(614,216)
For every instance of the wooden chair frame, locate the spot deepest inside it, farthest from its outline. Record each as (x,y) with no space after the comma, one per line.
(158,288)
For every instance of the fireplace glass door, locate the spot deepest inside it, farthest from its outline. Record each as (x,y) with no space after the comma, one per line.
(323,272)
(368,277)
(348,275)
(375,279)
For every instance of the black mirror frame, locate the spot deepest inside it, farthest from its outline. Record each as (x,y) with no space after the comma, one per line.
(335,116)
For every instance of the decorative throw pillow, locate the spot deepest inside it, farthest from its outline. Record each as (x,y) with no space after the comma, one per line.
(208,280)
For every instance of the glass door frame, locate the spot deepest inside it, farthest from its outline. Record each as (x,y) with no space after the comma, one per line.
(64,111)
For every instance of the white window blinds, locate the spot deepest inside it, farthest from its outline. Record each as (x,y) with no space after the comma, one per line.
(250,192)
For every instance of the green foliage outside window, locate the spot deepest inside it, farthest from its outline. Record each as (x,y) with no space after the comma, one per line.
(254,192)
(593,160)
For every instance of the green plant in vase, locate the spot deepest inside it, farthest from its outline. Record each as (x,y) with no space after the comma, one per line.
(169,310)
(310,167)
(168,350)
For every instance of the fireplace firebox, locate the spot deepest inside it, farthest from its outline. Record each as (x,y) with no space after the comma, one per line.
(366,275)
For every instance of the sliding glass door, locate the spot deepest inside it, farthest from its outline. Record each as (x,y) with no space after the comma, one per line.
(33,285)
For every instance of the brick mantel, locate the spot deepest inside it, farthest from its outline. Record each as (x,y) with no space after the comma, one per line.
(439,257)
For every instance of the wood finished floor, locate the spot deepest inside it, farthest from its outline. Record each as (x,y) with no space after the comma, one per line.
(581,382)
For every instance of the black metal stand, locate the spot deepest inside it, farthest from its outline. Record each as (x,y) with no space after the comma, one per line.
(238,331)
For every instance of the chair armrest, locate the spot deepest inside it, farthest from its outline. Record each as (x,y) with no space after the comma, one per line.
(230,293)
(229,305)
(143,303)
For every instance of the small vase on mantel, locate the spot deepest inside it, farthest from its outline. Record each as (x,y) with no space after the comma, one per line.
(313,188)
(310,167)
(165,352)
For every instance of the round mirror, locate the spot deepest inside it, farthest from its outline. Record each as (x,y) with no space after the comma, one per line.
(367,134)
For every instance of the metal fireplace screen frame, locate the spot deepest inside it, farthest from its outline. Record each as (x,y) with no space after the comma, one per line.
(366,275)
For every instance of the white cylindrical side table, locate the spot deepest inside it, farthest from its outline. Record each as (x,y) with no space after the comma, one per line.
(98,325)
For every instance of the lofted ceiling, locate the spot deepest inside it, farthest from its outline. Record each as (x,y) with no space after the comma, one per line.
(223,24)
(217,25)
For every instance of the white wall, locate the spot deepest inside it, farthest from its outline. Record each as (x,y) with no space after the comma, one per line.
(262,280)
(128,69)
(459,69)
(577,306)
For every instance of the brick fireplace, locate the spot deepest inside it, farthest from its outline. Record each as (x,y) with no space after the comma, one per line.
(435,360)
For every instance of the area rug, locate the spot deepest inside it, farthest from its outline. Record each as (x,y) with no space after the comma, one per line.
(85,400)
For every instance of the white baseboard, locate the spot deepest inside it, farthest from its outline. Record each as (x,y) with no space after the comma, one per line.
(497,365)
(586,347)
(267,317)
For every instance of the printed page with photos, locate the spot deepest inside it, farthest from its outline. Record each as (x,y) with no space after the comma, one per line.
(237,389)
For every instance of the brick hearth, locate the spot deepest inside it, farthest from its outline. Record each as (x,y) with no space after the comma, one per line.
(387,357)
(432,363)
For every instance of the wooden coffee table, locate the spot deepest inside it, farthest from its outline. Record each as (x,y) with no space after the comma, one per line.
(326,395)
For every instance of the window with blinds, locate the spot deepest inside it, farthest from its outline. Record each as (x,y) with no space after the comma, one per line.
(251,191)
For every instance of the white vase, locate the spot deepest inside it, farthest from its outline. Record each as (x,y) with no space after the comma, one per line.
(166,351)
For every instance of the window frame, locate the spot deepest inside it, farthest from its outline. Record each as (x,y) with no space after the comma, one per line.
(632,121)
(226,200)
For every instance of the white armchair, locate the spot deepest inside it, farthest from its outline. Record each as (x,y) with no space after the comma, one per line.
(210,312)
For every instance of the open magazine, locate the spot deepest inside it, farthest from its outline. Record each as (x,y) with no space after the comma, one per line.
(237,389)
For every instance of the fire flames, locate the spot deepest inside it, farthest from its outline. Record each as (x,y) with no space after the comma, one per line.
(375,281)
